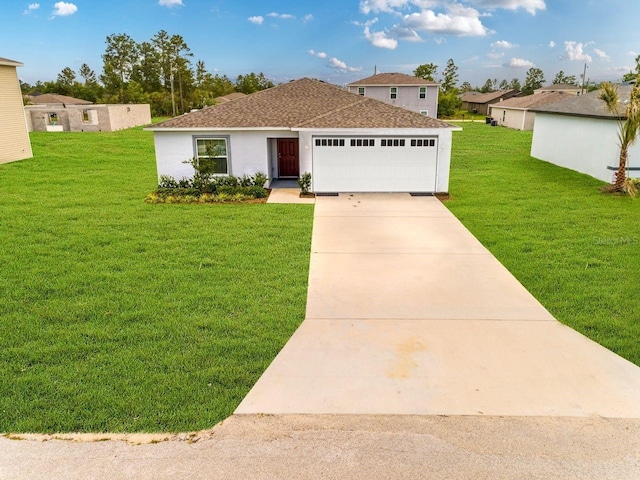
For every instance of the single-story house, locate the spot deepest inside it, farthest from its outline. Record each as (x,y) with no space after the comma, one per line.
(560,88)
(467,97)
(517,112)
(349,143)
(581,134)
(60,113)
(14,136)
(402,90)
(480,103)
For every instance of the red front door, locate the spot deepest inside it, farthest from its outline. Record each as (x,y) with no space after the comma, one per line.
(288,162)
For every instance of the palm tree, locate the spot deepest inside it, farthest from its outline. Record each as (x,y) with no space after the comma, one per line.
(628,122)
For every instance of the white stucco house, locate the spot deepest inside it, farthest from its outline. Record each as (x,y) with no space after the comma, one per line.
(402,90)
(349,143)
(579,133)
(517,112)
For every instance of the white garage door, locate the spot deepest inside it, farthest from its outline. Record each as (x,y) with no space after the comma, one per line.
(374,164)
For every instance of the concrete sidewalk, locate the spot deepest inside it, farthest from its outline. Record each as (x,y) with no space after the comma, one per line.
(408,314)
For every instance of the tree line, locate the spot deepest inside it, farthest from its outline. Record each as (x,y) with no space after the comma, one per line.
(159,72)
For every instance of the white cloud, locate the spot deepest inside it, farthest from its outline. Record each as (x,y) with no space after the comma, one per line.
(575,51)
(284,16)
(307,18)
(406,34)
(171,3)
(31,8)
(495,55)
(531,6)
(503,44)
(380,39)
(459,21)
(317,54)
(377,6)
(552,44)
(600,54)
(64,9)
(258,19)
(519,63)
(340,65)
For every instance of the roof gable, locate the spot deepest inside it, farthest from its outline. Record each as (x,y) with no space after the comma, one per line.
(588,105)
(55,99)
(382,79)
(303,103)
(488,97)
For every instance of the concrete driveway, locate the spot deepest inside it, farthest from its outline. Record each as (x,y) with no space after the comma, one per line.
(408,314)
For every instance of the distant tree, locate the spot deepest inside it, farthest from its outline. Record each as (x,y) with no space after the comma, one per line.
(631,76)
(66,78)
(252,83)
(466,87)
(534,80)
(515,84)
(88,75)
(426,71)
(562,79)
(120,57)
(504,85)
(448,103)
(628,127)
(487,87)
(449,77)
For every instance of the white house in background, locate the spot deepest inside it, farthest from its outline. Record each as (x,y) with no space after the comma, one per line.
(349,143)
(59,113)
(401,90)
(14,137)
(517,112)
(579,133)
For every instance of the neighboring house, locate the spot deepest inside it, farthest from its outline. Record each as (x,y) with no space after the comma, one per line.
(229,97)
(579,133)
(466,97)
(60,113)
(560,88)
(347,142)
(14,136)
(401,90)
(480,103)
(517,111)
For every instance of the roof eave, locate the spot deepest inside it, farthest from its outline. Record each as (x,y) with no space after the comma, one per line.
(214,129)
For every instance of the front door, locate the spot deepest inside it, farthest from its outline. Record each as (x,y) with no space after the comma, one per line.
(288,161)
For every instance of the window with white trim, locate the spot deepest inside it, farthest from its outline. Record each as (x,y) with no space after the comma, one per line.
(423,93)
(213,156)
(393,93)
(361,91)
(424,112)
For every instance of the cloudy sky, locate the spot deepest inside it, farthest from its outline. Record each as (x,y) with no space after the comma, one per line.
(336,40)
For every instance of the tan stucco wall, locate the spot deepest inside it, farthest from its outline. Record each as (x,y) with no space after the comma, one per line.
(102,118)
(512,118)
(14,137)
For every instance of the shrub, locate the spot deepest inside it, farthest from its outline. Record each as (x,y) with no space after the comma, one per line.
(259,179)
(167,181)
(305,183)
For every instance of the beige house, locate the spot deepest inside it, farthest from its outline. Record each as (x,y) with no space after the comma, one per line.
(517,112)
(561,88)
(481,103)
(15,144)
(59,113)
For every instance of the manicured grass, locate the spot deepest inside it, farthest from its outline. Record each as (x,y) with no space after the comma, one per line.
(117,315)
(576,250)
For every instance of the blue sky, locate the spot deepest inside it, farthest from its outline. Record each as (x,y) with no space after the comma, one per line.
(336,40)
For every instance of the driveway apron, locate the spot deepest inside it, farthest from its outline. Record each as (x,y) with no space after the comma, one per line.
(407,313)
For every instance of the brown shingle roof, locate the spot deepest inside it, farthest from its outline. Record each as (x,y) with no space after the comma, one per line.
(55,99)
(393,79)
(588,105)
(532,101)
(558,87)
(229,97)
(303,103)
(488,97)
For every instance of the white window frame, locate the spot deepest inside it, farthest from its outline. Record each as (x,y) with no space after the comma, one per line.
(422,93)
(393,93)
(424,112)
(227,155)
(362,91)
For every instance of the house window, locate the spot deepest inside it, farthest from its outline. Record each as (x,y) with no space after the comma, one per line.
(212,155)
(424,112)
(504,115)
(85,116)
(423,93)
(361,91)
(53,118)
(393,93)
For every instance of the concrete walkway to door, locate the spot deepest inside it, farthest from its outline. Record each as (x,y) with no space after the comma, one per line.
(407,313)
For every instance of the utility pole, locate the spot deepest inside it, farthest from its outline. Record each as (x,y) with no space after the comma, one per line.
(584,78)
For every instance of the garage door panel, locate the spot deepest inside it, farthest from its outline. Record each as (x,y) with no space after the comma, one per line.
(395,168)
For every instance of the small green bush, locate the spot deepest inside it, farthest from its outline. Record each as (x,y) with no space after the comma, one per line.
(205,188)
(304,182)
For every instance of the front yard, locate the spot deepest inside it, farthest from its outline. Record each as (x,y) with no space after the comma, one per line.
(118,315)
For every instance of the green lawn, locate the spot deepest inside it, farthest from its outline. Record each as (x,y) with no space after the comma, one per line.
(116,315)
(576,250)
